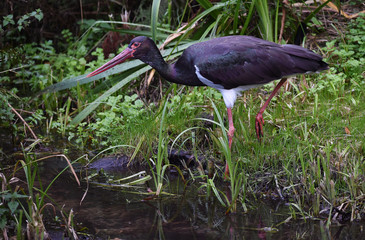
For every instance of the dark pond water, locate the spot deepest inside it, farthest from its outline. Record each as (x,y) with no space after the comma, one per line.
(117,214)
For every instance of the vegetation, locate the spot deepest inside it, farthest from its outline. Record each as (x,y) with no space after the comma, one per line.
(312,153)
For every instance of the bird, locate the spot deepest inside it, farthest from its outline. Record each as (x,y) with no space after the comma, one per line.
(230,64)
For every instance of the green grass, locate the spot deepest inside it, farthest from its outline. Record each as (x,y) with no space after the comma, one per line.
(310,152)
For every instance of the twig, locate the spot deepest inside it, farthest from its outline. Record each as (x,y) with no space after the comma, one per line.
(278,188)
(336,9)
(87,188)
(68,162)
(25,123)
(285,2)
(13,69)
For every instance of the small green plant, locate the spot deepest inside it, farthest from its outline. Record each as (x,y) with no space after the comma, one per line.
(17,202)
(6,114)
(10,212)
(161,163)
(9,27)
(349,58)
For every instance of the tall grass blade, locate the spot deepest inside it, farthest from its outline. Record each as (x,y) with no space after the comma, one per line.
(206,4)
(74,81)
(159,171)
(154,18)
(208,11)
(216,192)
(249,17)
(265,19)
(311,15)
(235,17)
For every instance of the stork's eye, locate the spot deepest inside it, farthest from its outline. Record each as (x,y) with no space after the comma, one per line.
(136,45)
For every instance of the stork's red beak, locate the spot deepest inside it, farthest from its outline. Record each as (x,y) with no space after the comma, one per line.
(121,57)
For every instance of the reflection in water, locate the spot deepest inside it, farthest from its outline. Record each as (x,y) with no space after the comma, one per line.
(116,214)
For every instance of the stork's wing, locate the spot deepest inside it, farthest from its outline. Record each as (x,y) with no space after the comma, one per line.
(250,63)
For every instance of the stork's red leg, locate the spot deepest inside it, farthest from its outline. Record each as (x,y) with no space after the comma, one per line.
(230,136)
(226,172)
(231,127)
(259,119)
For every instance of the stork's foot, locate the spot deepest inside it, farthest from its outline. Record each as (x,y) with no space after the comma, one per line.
(259,123)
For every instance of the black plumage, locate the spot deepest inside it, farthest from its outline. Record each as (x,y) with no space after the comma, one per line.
(235,61)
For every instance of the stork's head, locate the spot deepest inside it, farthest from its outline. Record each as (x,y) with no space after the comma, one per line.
(137,48)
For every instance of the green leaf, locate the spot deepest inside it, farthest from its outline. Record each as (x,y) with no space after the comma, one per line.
(3,222)
(3,211)
(8,20)
(13,205)
(39,15)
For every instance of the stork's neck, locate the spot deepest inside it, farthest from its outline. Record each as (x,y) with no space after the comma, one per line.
(178,72)
(154,58)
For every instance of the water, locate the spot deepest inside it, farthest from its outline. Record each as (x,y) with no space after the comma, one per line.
(113,213)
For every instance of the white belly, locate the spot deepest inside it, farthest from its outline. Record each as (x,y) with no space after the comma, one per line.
(229,95)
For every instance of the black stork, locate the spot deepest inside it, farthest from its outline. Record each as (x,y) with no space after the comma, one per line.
(229,64)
